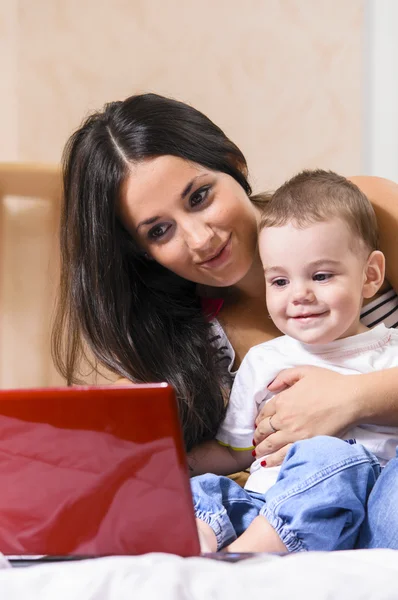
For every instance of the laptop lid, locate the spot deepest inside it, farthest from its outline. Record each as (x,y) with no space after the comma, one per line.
(93,471)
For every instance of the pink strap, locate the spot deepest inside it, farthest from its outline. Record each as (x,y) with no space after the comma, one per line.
(212,306)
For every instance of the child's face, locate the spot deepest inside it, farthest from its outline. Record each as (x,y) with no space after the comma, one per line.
(314,280)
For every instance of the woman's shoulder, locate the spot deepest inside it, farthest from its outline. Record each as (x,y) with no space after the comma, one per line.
(378,189)
(383,194)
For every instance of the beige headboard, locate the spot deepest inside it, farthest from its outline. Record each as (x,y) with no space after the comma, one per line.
(29,213)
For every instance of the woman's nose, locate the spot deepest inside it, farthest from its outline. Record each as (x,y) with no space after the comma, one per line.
(198,237)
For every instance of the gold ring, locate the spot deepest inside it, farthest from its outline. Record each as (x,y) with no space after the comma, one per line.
(272,427)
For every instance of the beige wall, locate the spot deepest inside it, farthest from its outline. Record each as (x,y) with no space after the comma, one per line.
(282,77)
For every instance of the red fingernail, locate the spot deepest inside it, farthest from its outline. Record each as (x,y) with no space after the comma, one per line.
(254,453)
(254,442)
(263,463)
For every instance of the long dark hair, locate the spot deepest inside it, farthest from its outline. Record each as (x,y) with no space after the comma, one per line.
(132,315)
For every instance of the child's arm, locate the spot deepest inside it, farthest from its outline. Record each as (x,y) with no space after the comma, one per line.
(212,457)
(232,449)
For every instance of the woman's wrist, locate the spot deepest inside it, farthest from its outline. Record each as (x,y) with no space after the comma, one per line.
(361,406)
(375,398)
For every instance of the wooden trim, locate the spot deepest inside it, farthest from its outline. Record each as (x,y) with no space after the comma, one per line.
(27,180)
(30,180)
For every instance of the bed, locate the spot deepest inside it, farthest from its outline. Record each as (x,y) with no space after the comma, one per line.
(354,574)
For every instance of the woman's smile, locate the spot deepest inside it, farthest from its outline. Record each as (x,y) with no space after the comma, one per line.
(219,258)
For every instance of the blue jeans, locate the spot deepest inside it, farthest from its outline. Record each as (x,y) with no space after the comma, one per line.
(380,528)
(329,496)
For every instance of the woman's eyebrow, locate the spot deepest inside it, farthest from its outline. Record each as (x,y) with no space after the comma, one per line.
(147,222)
(189,187)
(184,194)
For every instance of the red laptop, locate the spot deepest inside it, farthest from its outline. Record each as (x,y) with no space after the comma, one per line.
(92,472)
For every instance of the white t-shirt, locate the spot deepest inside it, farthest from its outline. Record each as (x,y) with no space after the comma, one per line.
(373,350)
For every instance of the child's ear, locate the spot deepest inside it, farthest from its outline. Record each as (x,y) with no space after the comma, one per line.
(374,274)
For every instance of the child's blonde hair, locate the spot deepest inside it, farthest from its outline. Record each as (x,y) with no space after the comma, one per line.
(316,196)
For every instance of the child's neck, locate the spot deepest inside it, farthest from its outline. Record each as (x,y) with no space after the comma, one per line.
(355,329)
(361,328)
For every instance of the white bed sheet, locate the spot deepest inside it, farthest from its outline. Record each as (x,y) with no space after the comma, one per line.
(357,575)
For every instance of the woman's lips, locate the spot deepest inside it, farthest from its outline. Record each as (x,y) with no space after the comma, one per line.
(220,258)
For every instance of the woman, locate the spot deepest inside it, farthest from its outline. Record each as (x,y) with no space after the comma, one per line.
(159,237)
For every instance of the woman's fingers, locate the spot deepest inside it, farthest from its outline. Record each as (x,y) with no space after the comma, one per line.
(268,410)
(287,378)
(266,429)
(273,449)
(318,402)
(271,444)
(276,458)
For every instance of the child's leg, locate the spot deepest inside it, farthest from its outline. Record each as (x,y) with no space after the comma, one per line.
(224,509)
(207,537)
(260,536)
(319,500)
(380,529)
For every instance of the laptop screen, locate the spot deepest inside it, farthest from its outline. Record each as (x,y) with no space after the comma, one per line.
(93,471)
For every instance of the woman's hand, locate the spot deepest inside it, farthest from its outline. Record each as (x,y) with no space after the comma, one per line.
(310,401)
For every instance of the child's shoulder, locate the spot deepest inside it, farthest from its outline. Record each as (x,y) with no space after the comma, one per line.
(279,345)
(393,334)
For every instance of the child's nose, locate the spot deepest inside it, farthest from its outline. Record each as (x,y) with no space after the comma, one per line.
(303,295)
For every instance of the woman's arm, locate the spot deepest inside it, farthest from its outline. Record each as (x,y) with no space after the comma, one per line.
(318,401)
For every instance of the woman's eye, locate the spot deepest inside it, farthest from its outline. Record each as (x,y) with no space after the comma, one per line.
(322,276)
(157,232)
(279,282)
(199,196)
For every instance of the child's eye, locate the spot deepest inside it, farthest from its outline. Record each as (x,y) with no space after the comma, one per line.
(322,276)
(199,196)
(280,282)
(158,232)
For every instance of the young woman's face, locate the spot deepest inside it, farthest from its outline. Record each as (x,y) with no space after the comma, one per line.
(196,222)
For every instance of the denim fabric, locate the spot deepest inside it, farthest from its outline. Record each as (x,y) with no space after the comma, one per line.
(318,502)
(380,528)
(225,506)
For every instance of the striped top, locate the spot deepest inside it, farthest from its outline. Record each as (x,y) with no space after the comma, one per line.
(383,309)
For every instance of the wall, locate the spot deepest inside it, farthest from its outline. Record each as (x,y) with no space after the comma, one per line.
(282,77)
(381,89)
